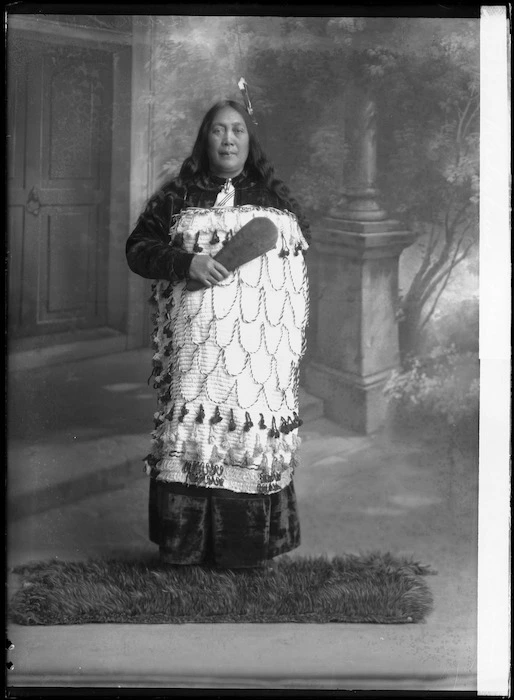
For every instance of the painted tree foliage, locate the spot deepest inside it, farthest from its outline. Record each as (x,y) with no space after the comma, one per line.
(430,166)
(424,75)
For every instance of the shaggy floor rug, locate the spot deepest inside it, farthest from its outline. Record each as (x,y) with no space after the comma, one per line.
(375,588)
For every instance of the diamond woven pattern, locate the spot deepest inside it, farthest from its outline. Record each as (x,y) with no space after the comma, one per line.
(226,362)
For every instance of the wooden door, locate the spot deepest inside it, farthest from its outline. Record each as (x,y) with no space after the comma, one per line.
(59,166)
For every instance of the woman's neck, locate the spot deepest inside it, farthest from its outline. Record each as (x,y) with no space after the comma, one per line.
(226,176)
(220,180)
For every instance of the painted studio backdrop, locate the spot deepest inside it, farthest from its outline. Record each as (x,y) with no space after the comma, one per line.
(373,123)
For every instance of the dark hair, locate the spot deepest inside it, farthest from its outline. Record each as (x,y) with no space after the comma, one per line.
(195,168)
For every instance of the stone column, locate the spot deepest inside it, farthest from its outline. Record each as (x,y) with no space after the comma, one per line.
(357,250)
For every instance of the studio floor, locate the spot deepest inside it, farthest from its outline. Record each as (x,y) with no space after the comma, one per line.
(88,419)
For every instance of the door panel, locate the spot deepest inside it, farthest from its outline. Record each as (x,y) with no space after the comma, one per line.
(66,282)
(64,144)
(72,106)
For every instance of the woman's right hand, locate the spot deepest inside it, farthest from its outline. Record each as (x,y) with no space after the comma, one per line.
(207,270)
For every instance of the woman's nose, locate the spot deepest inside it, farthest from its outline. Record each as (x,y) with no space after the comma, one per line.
(228,137)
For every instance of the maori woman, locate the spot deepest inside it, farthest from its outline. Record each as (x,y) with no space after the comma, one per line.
(224,243)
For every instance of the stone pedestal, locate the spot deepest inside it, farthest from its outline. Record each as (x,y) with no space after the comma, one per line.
(356,344)
(357,249)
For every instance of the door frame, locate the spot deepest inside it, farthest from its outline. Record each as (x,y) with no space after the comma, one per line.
(122,322)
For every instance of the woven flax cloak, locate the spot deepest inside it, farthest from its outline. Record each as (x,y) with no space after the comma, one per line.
(226,360)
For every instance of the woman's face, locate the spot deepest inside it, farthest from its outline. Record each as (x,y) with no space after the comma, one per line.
(228,143)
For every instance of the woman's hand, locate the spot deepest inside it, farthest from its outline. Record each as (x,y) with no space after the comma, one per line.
(206,270)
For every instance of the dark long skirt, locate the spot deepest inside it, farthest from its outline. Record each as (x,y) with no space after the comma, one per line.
(217,527)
